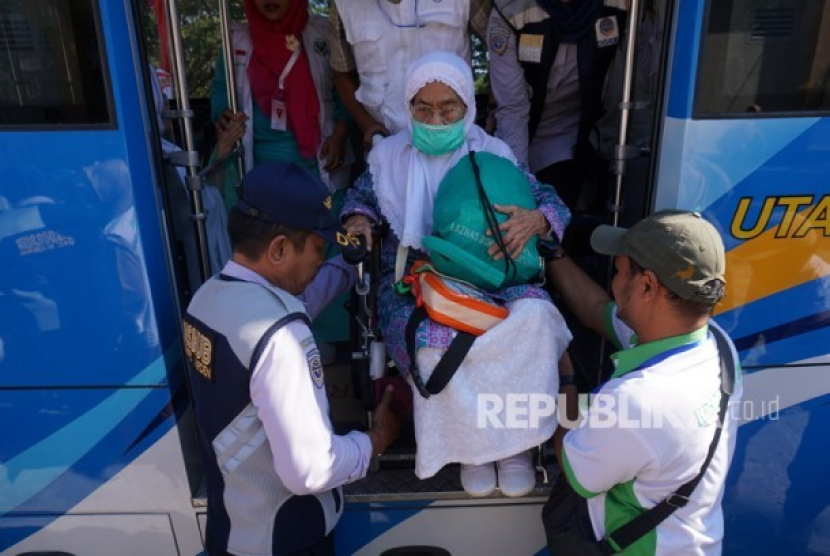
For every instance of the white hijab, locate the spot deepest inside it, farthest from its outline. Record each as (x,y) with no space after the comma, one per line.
(405,179)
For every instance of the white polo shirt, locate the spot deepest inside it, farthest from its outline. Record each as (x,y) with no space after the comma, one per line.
(647,432)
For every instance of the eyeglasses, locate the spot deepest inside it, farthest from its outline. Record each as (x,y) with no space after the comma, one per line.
(448,114)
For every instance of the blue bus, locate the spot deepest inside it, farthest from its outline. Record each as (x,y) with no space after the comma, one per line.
(720,107)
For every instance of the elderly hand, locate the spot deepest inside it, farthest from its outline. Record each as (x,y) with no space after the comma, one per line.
(521,225)
(358,224)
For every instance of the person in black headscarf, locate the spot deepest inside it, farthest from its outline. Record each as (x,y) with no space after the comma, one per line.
(548,61)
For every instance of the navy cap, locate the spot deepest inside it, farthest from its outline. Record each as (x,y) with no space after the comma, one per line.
(288,194)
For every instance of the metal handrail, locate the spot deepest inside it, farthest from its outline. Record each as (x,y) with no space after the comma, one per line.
(190,157)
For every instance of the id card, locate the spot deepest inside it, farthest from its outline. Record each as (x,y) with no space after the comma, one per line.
(530,48)
(607,31)
(279,116)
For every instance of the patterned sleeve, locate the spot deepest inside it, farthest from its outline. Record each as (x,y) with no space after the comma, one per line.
(550,205)
(341,57)
(361,199)
(479,16)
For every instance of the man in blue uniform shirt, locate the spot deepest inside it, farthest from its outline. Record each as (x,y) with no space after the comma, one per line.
(274,466)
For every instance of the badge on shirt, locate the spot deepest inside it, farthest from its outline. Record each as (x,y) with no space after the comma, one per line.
(530,47)
(279,115)
(321,47)
(199,347)
(608,34)
(315,366)
(499,35)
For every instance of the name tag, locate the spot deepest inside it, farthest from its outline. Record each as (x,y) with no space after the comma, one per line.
(607,31)
(530,48)
(279,116)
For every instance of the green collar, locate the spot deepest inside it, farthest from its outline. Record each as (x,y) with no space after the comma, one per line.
(627,360)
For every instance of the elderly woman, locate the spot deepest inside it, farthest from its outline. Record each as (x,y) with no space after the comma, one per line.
(400,184)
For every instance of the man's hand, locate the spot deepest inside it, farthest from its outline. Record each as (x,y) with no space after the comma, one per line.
(346,84)
(570,400)
(386,426)
(567,387)
(359,225)
(230,128)
(371,129)
(521,225)
(334,149)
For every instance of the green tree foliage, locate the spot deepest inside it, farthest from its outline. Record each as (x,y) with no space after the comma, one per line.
(201,39)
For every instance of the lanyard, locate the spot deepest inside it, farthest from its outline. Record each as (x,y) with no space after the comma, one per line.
(287,69)
(665,355)
(657,359)
(389,18)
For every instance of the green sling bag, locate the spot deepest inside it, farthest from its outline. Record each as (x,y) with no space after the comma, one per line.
(464,213)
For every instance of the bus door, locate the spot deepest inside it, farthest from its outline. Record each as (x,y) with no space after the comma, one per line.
(745,140)
(88,338)
(198,248)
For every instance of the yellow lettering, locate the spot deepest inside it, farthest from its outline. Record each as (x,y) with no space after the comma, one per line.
(792,205)
(347,239)
(202,369)
(206,351)
(738,228)
(198,349)
(797,221)
(817,219)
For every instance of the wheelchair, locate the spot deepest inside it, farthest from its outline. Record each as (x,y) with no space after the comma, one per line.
(372,370)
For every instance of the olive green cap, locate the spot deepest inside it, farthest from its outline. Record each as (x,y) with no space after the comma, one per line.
(682,248)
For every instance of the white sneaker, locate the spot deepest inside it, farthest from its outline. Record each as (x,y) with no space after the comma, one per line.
(517,476)
(478,480)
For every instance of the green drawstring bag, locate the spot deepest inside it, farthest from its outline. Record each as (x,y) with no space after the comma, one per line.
(464,213)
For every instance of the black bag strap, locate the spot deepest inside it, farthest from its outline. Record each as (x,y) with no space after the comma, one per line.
(510,268)
(629,533)
(446,367)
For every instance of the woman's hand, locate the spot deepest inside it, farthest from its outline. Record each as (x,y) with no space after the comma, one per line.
(230,128)
(521,225)
(358,224)
(334,148)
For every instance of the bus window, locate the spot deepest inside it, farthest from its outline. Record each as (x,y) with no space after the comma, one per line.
(764,57)
(51,64)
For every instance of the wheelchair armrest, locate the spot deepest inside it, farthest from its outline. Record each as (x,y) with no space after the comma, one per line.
(355,252)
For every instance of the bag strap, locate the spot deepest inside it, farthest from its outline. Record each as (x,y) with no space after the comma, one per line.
(446,367)
(629,533)
(400,262)
(510,268)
